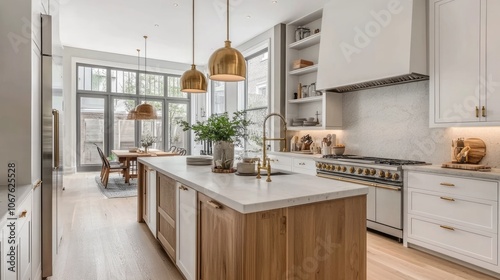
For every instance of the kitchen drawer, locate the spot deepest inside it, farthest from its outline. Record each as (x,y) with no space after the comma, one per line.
(304,163)
(468,243)
(280,160)
(468,212)
(25,205)
(454,185)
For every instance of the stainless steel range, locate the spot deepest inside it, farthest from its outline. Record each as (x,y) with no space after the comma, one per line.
(385,179)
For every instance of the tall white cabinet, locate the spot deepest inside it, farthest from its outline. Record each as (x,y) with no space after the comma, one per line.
(464,63)
(186,231)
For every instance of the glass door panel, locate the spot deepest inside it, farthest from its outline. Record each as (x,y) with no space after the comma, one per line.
(154,127)
(176,136)
(91,130)
(123,129)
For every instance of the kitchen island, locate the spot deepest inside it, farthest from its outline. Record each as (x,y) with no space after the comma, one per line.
(224,226)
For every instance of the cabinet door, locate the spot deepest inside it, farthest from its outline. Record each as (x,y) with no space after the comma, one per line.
(151,198)
(455,32)
(24,251)
(218,229)
(186,231)
(492,104)
(145,193)
(370,204)
(166,214)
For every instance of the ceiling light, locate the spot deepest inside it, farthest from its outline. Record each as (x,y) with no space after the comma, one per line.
(274,2)
(227,64)
(145,111)
(157,25)
(193,81)
(176,4)
(249,17)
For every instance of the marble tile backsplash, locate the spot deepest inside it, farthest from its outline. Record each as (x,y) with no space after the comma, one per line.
(394,122)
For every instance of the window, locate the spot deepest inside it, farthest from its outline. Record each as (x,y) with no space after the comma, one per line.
(105,96)
(256,102)
(218,97)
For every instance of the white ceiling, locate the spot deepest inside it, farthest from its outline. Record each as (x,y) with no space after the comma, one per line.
(118,26)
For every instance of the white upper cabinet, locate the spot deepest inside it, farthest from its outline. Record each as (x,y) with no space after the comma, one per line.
(464,58)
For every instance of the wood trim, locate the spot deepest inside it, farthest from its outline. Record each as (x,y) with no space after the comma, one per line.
(140,189)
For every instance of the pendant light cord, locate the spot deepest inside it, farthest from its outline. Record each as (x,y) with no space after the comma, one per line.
(145,67)
(193,32)
(227,23)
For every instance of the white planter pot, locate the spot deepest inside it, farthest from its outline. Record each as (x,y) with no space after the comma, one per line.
(223,154)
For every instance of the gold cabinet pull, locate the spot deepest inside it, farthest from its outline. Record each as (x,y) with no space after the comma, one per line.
(37,184)
(214,204)
(447,184)
(483,112)
(447,198)
(477,112)
(448,228)
(183,188)
(23,214)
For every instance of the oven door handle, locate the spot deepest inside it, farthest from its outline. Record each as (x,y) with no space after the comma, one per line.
(387,187)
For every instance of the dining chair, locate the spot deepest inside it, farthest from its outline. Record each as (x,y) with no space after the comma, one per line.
(181,151)
(173,149)
(109,167)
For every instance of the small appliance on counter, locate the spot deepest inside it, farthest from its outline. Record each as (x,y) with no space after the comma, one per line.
(467,153)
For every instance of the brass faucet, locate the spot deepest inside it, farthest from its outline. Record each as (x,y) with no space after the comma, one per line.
(266,162)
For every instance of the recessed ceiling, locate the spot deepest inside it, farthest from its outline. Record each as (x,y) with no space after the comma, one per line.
(118,26)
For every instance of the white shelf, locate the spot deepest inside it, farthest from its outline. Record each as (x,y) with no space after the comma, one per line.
(305,127)
(306,100)
(308,18)
(306,42)
(305,70)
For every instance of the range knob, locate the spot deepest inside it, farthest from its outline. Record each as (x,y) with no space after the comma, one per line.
(388,175)
(323,165)
(360,170)
(381,174)
(339,168)
(373,172)
(367,171)
(318,164)
(395,176)
(352,169)
(330,167)
(344,169)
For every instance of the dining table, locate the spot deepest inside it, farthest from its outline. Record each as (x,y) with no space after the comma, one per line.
(129,159)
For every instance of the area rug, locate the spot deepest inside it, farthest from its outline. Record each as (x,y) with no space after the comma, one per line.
(117,187)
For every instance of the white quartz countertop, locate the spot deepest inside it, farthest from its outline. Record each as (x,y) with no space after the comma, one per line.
(296,155)
(246,194)
(494,174)
(20,195)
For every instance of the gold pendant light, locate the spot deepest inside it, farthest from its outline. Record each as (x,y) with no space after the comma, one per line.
(145,111)
(227,64)
(193,81)
(132,114)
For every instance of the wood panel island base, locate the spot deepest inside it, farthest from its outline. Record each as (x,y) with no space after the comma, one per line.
(231,232)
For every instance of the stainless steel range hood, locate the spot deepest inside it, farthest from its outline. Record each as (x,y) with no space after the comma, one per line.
(367,44)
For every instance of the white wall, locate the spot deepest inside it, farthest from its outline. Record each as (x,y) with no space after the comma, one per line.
(394,122)
(72,56)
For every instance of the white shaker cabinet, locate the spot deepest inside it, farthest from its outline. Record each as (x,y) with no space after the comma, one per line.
(464,63)
(151,192)
(186,231)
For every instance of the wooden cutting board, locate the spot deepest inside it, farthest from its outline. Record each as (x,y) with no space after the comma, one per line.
(466,166)
(477,149)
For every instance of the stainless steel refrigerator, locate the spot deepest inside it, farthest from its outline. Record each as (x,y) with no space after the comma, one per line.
(52,184)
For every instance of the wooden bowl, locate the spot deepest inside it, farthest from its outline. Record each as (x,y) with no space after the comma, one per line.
(338,150)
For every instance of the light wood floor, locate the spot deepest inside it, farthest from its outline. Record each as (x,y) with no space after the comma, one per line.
(102,241)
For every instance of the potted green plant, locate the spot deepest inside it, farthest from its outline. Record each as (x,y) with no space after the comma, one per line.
(147,141)
(224,132)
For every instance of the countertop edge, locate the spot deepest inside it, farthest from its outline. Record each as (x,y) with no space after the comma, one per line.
(494,174)
(257,207)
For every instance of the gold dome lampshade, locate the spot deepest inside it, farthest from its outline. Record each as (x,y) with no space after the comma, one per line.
(193,81)
(227,64)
